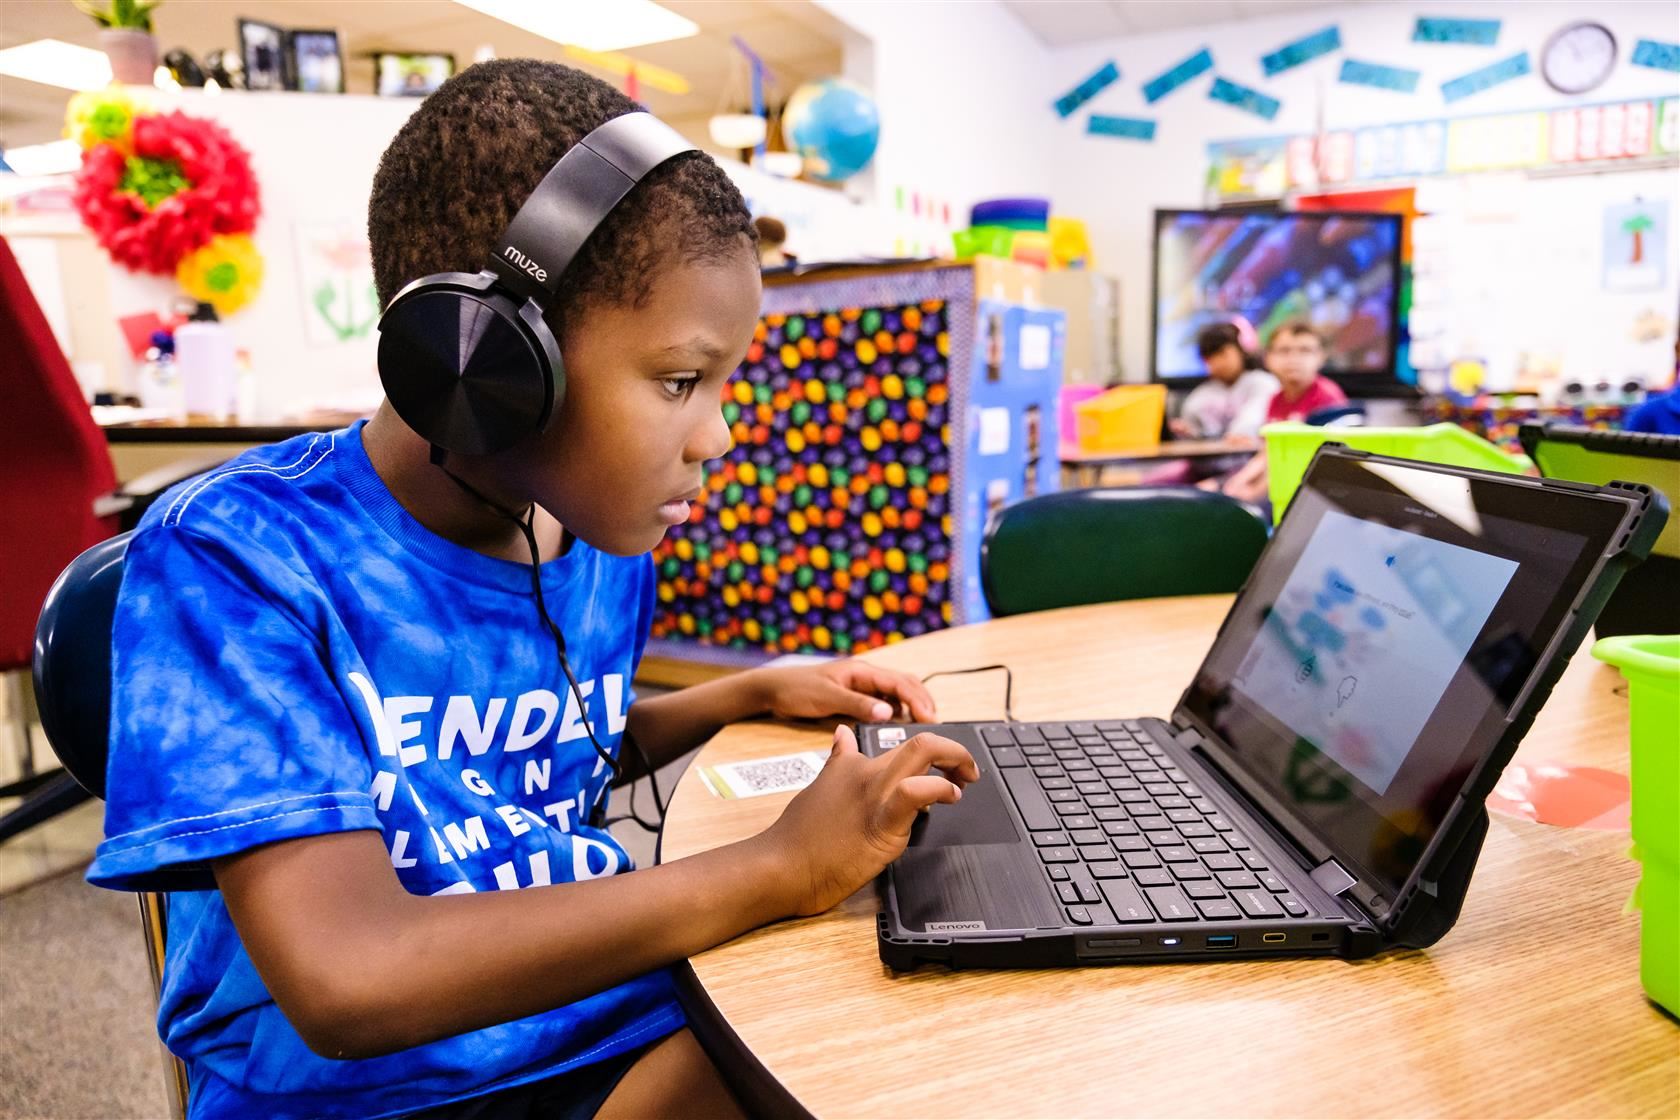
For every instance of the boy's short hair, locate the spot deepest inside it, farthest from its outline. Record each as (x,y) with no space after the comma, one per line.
(472,153)
(1298,327)
(1214,337)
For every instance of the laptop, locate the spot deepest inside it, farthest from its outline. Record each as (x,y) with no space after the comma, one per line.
(1648,599)
(1319,788)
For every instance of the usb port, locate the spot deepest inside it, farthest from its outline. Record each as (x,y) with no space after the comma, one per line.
(1272,938)
(1222,941)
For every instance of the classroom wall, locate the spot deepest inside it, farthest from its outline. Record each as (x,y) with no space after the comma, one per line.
(963,89)
(1115,184)
(315,158)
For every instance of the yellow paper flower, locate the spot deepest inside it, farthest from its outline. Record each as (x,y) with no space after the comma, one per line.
(225,273)
(105,116)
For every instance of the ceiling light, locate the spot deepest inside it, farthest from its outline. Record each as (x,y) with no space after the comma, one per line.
(53,158)
(590,24)
(736,130)
(54,62)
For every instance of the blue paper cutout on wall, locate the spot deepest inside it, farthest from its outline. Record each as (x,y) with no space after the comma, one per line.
(1378,76)
(1088,89)
(1126,128)
(1302,50)
(1475,32)
(1161,85)
(1656,55)
(1241,97)
(1477,80)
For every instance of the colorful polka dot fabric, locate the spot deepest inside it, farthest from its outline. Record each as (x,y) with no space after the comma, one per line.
(827,527)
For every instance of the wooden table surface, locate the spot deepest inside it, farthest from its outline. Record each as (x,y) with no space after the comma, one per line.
(1530,1006)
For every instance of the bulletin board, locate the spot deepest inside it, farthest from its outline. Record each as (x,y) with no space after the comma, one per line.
(827,528)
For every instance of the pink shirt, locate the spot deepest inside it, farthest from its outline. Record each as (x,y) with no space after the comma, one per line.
(1322,393)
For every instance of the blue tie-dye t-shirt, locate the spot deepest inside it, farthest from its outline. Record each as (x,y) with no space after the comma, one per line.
(294,654)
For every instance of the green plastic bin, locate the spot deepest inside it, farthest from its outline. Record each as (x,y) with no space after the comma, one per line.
(1290,447)
(1652,668)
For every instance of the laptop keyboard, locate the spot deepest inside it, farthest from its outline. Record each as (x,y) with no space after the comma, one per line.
(1123,835)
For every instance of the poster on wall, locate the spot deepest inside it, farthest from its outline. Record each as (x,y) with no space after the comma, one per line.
(1636,246)
(335,281)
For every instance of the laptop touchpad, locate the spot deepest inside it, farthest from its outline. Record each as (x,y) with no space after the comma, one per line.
(981,817)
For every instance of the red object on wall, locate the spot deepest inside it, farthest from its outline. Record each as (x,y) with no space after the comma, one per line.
(54,463)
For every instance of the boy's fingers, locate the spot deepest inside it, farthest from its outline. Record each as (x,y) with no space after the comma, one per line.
(844,742)
(916,755)
(858,705)
(911,795)
(897,686)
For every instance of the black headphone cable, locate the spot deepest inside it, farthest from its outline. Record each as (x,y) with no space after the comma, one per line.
(527,527)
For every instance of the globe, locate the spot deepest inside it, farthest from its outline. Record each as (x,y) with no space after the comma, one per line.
(833,125)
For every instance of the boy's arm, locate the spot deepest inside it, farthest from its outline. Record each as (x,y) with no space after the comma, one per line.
(668,727)
(361,967)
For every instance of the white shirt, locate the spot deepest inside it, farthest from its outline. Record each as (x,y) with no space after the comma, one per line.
(1214,409)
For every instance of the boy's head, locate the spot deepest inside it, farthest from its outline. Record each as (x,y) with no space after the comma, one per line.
(656,310)
(1220,346)
(1295,354)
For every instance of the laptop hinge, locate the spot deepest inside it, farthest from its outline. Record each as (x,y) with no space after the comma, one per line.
(1332,879)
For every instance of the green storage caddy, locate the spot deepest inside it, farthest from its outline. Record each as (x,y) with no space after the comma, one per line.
(1652,668)
(1290,447)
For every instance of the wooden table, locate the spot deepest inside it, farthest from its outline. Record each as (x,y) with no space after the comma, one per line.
(1530,1006)
(1086,467)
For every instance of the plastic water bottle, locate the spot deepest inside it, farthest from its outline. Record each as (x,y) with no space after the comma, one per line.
(158,384)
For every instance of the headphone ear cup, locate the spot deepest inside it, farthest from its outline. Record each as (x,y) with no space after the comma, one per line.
(467,370)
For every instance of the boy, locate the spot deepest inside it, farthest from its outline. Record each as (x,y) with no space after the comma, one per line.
(341,735)
(1233,399)
(1296,354)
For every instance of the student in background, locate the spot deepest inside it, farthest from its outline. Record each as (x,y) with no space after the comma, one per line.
(1660,414)
(1233,399)
(772,235)
(1296,354)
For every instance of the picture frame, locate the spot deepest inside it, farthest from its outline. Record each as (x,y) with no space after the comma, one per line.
(409,73)
(262,48)
(317,61)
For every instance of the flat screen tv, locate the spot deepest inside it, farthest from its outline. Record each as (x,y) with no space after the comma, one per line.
(1339,272)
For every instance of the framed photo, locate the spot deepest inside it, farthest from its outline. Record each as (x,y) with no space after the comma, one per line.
(411,75)
(262,47)
(317,64)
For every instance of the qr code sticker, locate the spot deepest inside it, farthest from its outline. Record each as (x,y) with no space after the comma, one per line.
(763,776)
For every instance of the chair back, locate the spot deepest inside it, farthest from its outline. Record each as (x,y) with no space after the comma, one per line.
(72,660)
(1105,545)
(54,463)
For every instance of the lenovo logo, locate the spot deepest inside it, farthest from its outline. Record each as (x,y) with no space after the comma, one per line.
(526,264)
(955,927)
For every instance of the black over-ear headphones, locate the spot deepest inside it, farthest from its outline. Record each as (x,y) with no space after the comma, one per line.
(466,358)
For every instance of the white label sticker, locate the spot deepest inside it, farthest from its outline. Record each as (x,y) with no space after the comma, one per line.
(1035,346)
(994,431)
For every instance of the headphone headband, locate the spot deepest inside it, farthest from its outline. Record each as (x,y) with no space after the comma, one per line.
(575,197)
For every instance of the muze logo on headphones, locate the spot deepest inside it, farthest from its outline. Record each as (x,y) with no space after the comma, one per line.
(536,271)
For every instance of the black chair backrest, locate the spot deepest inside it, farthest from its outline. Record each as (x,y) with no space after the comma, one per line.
(1105,545)
(73,660)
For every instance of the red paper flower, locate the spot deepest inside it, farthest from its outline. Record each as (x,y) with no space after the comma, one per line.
(186,181)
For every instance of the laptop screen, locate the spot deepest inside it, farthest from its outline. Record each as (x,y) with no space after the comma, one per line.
(1584,455)
(1371,661)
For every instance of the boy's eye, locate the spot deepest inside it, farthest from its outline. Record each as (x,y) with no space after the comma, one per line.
(679,387)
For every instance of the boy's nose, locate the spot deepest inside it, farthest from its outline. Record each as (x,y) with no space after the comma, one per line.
(713,441)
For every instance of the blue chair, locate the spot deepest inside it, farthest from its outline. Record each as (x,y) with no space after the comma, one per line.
(72,669)
(1106,545)
(1349,415)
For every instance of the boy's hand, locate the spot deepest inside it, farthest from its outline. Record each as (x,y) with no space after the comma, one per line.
(845,827)
(851,689)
